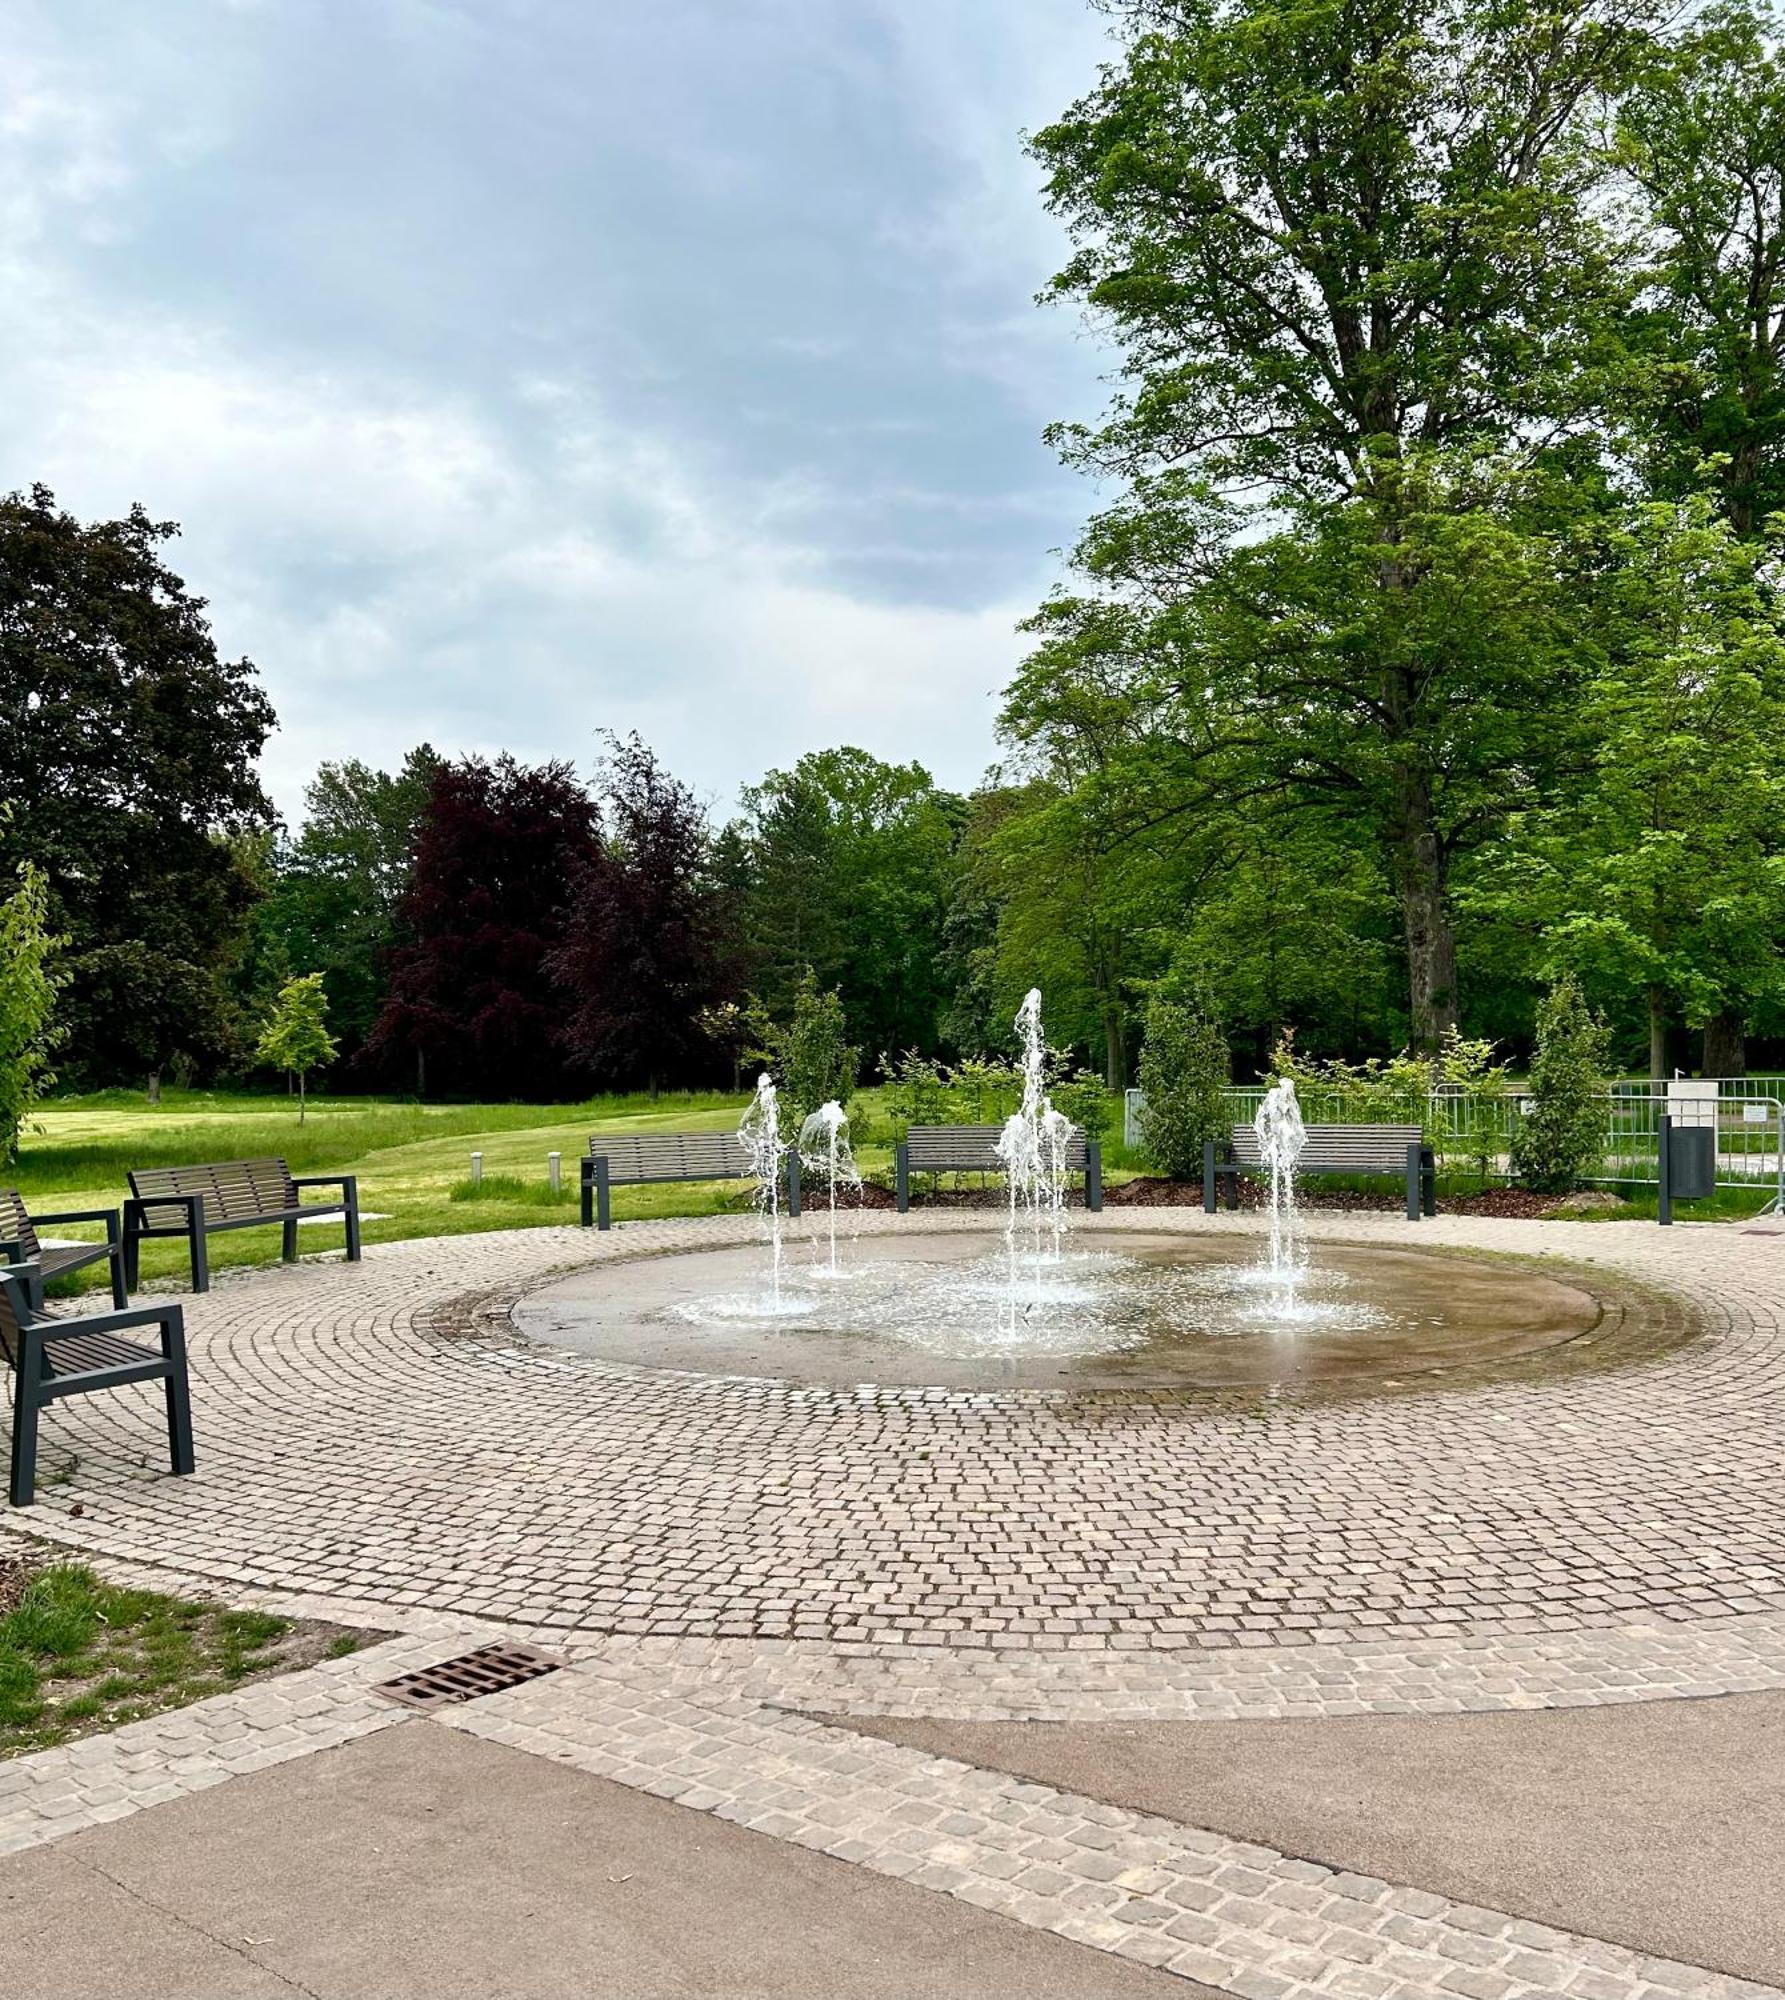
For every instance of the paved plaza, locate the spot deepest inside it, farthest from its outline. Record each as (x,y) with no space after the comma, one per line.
(771,1598)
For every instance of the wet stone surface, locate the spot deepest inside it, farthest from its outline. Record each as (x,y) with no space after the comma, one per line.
(1159,1311)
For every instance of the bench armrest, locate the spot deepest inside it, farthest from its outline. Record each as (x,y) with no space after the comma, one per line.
(108,1322)
(109,1216)
(342,1181)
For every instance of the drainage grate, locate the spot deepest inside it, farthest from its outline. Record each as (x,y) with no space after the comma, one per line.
(487,1671)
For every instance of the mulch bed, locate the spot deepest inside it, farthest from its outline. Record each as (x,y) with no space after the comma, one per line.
(1513,1204)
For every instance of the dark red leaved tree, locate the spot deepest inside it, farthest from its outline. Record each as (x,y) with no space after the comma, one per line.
(643,945)
(471,1010)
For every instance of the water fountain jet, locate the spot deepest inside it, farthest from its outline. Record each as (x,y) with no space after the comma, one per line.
(825,1152)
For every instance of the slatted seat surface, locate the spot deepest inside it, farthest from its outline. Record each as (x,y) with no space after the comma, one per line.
(16,1226)
(235,1191)
(969,1149)
(80,1353)
(1340,1149)
(671,1156)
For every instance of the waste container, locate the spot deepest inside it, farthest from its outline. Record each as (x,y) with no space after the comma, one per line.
(1692,1162)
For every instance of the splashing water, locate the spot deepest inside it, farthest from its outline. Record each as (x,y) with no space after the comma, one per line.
(825,1151)
(759,1131)
(1033,1144)
(1281,1138)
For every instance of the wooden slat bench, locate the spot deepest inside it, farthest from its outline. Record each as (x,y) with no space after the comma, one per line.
(629,1159)
(1332,1149)
(973,1149)
(193,1202)
(74,1355)
(19,1242)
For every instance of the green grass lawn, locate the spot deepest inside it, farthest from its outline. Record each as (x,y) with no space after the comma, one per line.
(409,1158)
(78,1655)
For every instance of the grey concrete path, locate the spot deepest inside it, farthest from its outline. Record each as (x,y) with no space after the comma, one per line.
(424,1862)
(1657,1825)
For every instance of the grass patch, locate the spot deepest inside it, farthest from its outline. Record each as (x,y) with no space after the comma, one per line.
(510,1188)
(79,1655)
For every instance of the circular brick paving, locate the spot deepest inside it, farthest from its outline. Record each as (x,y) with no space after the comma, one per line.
(380,1432)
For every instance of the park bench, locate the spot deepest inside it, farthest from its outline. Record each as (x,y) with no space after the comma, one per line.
(195,1202)
(1332,1149)
(53,1356)
(20,1244)
(629,1159)
(973,1149)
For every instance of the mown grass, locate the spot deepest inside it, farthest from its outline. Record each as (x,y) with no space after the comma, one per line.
(78,1655)
(408,1157)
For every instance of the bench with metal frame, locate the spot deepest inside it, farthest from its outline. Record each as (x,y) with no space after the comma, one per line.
(1331,1149)
(973,1149)
(53,1356)
(196,1202)
(631,1159)
(20,1243)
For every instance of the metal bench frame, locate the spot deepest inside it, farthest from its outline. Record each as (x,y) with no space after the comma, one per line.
(19,1243)
(1331,1149)
(202,1199)
(973,1149)
(635,1159)
(29,1338)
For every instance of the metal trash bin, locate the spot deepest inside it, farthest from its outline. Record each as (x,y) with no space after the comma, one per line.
(1692,1162)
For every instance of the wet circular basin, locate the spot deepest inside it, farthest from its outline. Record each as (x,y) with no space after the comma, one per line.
(1141,1310)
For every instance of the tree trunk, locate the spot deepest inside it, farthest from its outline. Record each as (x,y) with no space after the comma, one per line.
(1726,1045)
(1115,1049)
(154,1086)
(421,1073)
(1425,918)
(301,1105)
(1431,949)
(1657,1034)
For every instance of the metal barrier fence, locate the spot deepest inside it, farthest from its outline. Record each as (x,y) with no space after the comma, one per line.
(1475,1128)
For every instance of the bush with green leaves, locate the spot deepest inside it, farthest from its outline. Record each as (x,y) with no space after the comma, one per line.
(1560,1140)
(1184,1063)
(809,1055)
(29,981)
(1087,1100)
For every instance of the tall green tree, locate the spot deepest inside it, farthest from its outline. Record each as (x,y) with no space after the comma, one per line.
(29,979)
(1662,870)
(336,888)
(1346,255)
(130,753)
(851,865)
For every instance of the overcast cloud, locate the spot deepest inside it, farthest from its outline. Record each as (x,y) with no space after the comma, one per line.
(519,368)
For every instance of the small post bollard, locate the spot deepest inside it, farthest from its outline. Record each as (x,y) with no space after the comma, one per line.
(554,1171)
(1664,1173)
(477,1170)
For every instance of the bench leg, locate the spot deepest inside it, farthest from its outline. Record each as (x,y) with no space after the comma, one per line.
(1211,1187)
(179,1393)
(350,1195)
(22,1489)
(201,1256)
(288,1243)
(132,1252)
(586,1196)
(793,1185)
(1094,1177)
(902,1177)
(604,1205)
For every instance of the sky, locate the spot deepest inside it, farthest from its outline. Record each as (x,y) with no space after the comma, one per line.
(519,369)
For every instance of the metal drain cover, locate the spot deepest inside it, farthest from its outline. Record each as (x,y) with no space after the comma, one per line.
(488,1670)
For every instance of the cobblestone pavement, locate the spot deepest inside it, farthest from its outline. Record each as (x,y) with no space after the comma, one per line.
(711,1555)
(371,1431)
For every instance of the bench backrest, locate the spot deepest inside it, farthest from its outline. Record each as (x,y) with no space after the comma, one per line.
(969,1149)
(671,1156)
(1341,1149)
(234,1190)
(15,1223)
